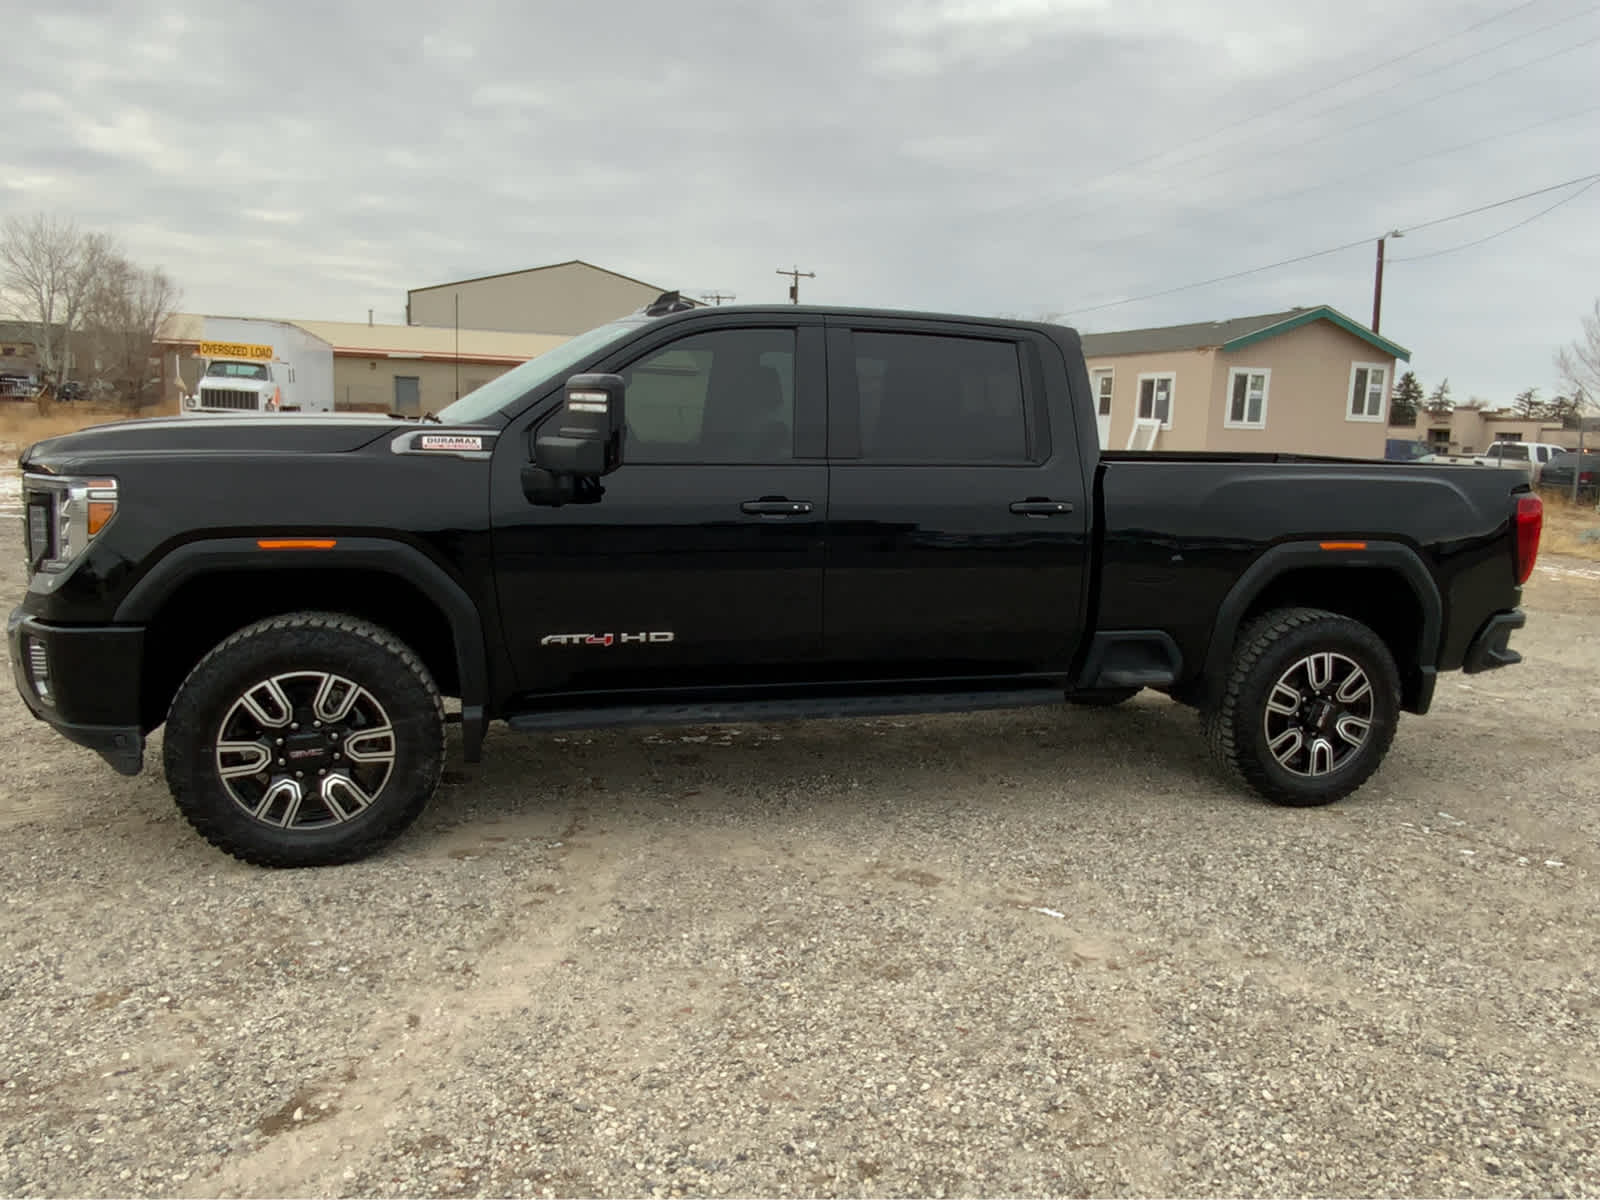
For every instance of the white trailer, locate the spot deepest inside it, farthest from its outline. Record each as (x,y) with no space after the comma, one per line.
(260,367)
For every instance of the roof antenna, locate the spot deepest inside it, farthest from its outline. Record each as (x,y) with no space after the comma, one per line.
(667,302)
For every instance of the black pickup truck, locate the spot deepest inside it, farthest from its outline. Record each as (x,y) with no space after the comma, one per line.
(728,514)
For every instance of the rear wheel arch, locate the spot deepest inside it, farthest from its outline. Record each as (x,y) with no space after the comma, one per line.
(1387,587)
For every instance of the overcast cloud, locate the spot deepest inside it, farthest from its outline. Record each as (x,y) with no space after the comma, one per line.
(988,156)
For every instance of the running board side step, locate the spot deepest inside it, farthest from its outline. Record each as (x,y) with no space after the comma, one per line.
(738,711)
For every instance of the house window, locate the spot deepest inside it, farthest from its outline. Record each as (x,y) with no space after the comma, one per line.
(1102,392)
(1247,398)
(1367,392)
(1155,398)
(1439,437)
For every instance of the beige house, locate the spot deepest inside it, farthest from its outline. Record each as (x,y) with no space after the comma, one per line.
(568,298)
(1309,380)
(1473,430)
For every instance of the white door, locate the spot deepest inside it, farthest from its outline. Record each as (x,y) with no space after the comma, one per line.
(1102,406)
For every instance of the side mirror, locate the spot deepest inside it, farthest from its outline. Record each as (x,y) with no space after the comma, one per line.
(588,435)
(585,444)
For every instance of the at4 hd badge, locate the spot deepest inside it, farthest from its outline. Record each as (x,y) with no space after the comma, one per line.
(655,638)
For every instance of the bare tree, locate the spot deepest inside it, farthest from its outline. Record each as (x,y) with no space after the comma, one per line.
(47,268)
(123,312)
(1579,364)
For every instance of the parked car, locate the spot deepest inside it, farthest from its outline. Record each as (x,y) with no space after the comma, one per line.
(1530,457)
(1558,471)
(729,514)
(1407,450)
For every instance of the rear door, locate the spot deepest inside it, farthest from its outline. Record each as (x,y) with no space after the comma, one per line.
(958,518)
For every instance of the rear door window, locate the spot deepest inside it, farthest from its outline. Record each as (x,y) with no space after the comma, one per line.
(933,398)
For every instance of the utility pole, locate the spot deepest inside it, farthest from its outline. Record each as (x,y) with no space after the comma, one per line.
(458,345)
(1577,467)
(1377,280)
(717,297)
(795,276)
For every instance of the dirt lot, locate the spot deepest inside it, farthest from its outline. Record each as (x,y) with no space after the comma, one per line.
(1043,952)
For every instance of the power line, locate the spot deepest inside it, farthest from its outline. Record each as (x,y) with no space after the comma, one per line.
(1322,112)
(1472,212)
(1278,109)
(1189,181)
(1366,241)
(1501,233)
(1409,160)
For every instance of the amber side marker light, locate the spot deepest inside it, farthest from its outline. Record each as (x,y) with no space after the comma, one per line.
(296,543)
(100,511)
(1344,545)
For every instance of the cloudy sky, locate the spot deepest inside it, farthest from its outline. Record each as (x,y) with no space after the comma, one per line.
(989,156)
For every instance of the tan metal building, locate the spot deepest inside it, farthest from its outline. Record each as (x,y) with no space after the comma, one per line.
(568,298)
(376,368)
(1308,380)
(415,369)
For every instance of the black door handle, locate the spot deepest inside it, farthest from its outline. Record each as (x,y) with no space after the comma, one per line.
(1041,508)
(775,506)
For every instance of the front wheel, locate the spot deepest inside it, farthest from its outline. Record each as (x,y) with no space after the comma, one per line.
(1308,709)
(305,740)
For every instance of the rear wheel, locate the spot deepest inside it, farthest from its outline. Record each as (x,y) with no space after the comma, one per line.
(1308,709)
(305,740)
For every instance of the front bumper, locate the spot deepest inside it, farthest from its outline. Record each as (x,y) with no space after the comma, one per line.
(1489,648)
(92,693)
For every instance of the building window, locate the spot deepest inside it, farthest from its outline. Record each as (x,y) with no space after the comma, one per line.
(1439,438)
(1102,392)
(1367,392)
(1155,398)
(1247,398)
(1508,437)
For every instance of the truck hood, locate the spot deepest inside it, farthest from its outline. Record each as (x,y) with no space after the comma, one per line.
(200,434)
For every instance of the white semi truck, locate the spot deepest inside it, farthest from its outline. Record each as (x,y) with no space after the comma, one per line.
(242,371)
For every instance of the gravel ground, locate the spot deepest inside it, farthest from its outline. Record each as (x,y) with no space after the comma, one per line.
(1043,952)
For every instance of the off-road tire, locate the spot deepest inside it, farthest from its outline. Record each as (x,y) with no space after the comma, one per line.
(1103,697)
(368,656)
(1273,644)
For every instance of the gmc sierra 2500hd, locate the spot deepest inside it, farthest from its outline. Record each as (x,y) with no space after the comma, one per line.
(728,514)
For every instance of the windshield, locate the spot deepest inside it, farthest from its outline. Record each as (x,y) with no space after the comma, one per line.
(533,374)
(236,370)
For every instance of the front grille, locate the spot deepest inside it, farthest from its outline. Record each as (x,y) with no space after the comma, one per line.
(226,398)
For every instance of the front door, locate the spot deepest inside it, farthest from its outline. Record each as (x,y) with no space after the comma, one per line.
(1102,400)
(701,564)
(408,395)
(958,519)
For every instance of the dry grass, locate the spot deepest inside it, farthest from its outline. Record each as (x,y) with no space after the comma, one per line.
(1564,526)
(22,424)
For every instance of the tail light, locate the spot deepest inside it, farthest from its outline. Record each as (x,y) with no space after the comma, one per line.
(1530,522)
(1585,476)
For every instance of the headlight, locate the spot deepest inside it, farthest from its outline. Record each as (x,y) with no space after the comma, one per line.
(63,515)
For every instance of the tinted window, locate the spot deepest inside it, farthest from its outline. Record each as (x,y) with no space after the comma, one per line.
(724,397)
(1512,450)
(939,399)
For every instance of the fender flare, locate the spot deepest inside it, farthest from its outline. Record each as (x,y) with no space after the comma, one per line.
(193,559)
(1398,557)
